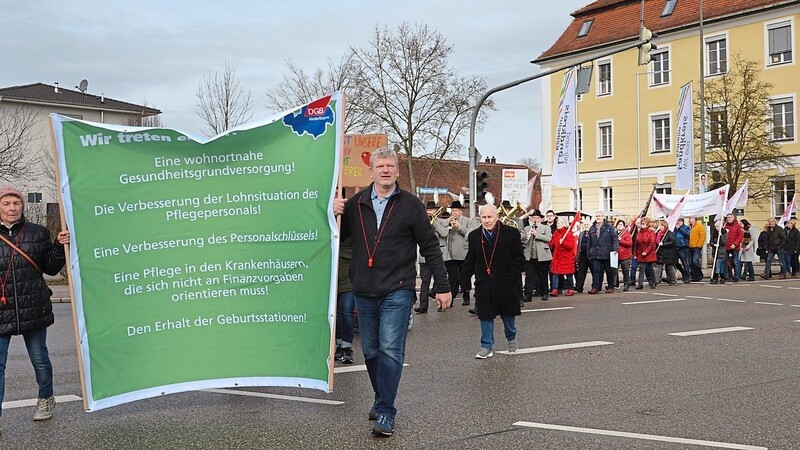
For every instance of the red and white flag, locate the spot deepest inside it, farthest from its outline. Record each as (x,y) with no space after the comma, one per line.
(787,213)
(737,200)
(675,214)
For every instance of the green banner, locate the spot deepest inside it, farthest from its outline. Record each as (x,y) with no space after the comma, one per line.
(202,264)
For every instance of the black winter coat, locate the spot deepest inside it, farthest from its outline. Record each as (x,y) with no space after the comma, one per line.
(600,247)
(496,293)
(667,253)
(792,241)
(27,304)
(406,225)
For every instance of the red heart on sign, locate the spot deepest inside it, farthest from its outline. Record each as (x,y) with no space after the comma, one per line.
(365,157)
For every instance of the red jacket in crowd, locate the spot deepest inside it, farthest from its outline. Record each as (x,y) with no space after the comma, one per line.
(563,252)
(735,235)
(625,245)
(646,243)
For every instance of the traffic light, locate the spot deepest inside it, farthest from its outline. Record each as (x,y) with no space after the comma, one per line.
(645,49)
(481,184)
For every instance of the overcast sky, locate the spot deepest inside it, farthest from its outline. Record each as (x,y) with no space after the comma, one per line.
(158,51)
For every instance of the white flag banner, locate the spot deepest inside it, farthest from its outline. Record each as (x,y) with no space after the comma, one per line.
(565,165)
(675,214)
(684,134)
(787,213)
(737,200)
(697,205)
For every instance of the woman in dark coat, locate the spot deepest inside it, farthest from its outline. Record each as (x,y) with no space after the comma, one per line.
(25,306)
(496,258)
(666,254)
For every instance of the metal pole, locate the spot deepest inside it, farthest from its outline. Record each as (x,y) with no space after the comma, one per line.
(638,145)
(473,151)
(702,96)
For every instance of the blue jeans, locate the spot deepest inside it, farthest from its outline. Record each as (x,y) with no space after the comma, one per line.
(567,282)
(487,331)
(770,256)
(634,267)
(345,319)
(737,267)
(697,271)
(383,327)
(787,262)
(721,269)
(36,342)
(685,257)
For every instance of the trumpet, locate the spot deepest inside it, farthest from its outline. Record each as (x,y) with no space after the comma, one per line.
(508,216)
(453,221)
(436,214)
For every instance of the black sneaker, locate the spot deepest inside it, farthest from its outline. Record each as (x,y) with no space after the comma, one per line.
(373,413)
(420,310)
(338,355)
(474,311)
(384,425)
(347,355)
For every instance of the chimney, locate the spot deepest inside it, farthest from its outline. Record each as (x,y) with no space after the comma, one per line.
(56,87)
(487,160)
(494,160)
(102,97)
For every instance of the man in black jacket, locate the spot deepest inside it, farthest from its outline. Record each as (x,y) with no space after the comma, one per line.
(387,224)
(25,306)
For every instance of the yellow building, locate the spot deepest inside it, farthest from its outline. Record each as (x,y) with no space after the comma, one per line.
(622,153)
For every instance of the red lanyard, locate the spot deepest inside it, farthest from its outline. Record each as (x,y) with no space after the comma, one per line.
(9,268)
(371,253)
(494,247)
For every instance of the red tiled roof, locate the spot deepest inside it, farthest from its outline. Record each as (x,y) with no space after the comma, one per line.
(618,20)
(40,92)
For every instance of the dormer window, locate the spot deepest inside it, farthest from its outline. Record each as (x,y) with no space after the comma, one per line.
(669,7)
(585,28)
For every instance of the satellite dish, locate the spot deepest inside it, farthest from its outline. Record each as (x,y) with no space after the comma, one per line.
(84,84)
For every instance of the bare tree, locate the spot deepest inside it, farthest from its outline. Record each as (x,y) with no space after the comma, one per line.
(298,88)
(416,96)
(146,121)
(531,163)
(222,102)
(742,141)
(21,145)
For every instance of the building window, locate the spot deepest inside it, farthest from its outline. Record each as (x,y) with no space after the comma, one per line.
(664,189)
(669,8)
(718,127)
(716,55)
(660,67)
(780,43)
(608,199)
(585,28)
(782,194)
(782,119)
(605,140)
(660,132)
(604,74)
(579,141)
(34,197)
(577,200)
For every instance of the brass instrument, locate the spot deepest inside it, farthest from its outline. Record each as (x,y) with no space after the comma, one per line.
(508,216)
(436,214)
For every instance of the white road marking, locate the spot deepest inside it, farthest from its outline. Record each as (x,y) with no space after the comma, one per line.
(275,396)
(550,348)
(731,300)
(649,437)
(710,331)
(548,309)
(358,368)
(698,296)
(665,295)
(796,306)
(792,287)
(797,320)
(655,301)
(768,303)
(771,286)
(32,402)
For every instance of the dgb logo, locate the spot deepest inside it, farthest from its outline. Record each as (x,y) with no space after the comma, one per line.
(317,108)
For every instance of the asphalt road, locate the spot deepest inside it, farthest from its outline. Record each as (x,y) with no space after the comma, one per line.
(734,389)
